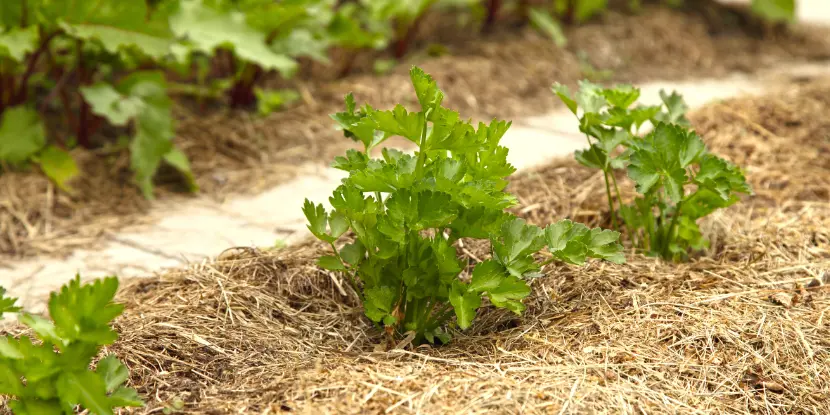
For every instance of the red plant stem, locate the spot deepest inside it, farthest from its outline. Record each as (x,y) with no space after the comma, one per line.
(67,109)
(523,8)
(30,68)
(349,65)
(242,93)
(570,14)
(402,44)
(493,7)
(65,75)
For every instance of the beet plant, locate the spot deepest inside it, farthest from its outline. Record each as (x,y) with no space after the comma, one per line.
(405,215)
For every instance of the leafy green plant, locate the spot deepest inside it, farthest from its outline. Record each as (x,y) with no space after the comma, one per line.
(52,375)
(406,16)
(65,51)
(252,37)
(408,213)
(678,180)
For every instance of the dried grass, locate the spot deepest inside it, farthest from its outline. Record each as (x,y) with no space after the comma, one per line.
(743,329)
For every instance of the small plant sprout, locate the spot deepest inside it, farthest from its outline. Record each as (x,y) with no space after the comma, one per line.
(677,179)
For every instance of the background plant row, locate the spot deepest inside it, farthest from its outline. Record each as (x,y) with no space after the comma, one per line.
(98,73)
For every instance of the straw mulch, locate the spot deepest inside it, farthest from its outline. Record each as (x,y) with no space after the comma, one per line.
(743,328)
(505,74)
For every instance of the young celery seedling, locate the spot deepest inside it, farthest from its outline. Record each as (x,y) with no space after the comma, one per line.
(407,213)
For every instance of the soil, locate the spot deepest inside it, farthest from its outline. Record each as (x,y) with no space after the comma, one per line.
(739,329)
(504,74)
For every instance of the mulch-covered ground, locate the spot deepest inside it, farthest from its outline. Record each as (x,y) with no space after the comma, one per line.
(741,329)
(504,74)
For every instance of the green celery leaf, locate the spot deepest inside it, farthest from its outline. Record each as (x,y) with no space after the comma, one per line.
(721,177)
(596,157)
(353,253)
(590,97)
(7,304)
(123,397)
(353,161)
(426,89)
(339,224)
(331,263)
(564,94)
(113,372)
(508,293)
(487,276)
(85,388)
(399,122)
(84,312)
(662,157)
(676,109)
(318,220)
(379,301)
(9,350)
(464,303)
(623,96)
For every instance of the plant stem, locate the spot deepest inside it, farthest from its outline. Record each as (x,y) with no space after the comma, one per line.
(610,201)
(493,7)
(352,277)
(422,155)
(23,88)
(670,232)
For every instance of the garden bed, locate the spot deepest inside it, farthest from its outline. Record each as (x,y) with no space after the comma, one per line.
(741,329)
(507,74)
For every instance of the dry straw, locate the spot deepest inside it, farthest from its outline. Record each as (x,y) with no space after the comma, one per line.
(743,328)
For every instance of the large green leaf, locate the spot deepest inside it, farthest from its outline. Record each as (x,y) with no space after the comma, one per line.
(116,24)
(22,134)
(153,125)
(107,102)
(209,28)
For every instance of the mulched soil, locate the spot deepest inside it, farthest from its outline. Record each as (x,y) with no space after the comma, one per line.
(740,329)
(505,74)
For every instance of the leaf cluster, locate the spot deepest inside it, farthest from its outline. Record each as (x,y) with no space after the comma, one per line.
(90,45)
(678,180)
(404,215)
(51,374)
